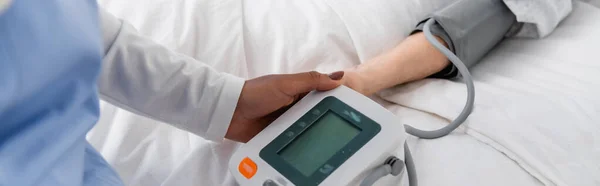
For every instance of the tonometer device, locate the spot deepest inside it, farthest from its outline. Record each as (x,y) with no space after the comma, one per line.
(324,139)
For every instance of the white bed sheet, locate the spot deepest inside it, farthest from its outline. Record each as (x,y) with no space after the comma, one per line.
(291,36)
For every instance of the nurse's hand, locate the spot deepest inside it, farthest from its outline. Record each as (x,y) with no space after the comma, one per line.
(264,98)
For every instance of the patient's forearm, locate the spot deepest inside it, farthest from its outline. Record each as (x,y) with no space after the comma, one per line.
(413,59)
(476,27)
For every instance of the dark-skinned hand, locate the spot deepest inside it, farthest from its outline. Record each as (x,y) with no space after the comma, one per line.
(265,98)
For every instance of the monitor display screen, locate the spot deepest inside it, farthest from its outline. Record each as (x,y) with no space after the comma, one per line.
(317,144)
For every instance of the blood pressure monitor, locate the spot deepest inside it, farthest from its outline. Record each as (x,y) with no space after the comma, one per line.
(327,138)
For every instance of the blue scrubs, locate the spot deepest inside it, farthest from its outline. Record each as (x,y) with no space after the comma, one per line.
(50,58)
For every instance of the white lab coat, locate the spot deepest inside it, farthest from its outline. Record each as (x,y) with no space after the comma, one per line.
(148,79)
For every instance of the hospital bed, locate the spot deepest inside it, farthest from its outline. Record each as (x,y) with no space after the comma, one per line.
(536,119)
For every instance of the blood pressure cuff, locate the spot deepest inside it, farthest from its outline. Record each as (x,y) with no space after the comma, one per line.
(471,28)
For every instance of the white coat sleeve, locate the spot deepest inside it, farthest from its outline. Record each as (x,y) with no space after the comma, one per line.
(148,79)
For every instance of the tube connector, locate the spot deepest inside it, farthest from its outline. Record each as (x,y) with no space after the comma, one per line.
(396,164)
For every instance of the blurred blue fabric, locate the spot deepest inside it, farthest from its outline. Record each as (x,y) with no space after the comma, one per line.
(50,58)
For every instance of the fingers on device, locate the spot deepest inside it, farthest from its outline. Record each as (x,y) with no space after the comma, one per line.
(324,139)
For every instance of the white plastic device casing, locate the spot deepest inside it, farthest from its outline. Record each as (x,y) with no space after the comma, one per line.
(386,143)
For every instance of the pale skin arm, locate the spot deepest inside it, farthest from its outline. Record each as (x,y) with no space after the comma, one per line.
(413,59)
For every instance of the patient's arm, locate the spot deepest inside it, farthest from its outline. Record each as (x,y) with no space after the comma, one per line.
(469,28)
(413,59)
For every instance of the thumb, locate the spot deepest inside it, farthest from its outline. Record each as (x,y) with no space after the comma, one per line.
(295,84)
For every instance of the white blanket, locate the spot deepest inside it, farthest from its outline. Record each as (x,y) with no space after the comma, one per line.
(544,88)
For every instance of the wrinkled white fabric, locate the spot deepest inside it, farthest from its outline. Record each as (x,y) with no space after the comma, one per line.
(540,17)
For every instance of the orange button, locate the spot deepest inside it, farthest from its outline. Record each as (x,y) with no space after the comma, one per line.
(247,168)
